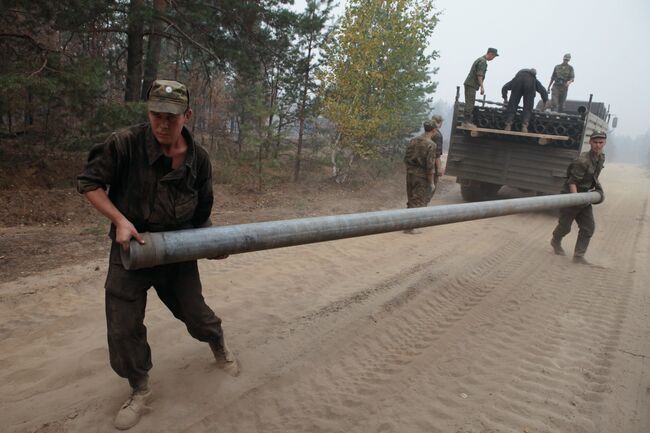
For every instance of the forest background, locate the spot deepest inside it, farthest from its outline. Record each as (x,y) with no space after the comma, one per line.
(272,88)
(278,90)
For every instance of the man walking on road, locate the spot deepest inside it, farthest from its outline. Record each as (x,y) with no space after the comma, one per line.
(474,82)
(158,179)
(561,78)
(525,84)
(582,176)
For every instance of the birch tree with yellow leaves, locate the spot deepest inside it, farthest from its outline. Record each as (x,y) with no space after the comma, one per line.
(377,77)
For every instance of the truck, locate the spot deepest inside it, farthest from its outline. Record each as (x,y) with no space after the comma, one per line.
(486,158)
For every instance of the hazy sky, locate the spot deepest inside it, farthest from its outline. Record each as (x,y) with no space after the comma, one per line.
(609,42)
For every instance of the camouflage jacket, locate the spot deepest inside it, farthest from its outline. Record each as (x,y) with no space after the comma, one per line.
(584,171)
(562,73)
(478,69)
(437,138)
(142,184)
(420,156)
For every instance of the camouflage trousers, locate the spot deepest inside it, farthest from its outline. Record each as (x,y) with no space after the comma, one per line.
(558,96)
(470,100)
(418,190)
(178,286)
(584,216)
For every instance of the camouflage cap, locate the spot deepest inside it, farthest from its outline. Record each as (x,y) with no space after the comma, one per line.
(437,120)
(493,51)
(167,96)
(598,134)
(567,56)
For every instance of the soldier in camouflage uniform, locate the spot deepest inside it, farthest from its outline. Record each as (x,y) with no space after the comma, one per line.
(420,159)
(438,140)
(474,82)
(152,177)
(561,78)
(582,176)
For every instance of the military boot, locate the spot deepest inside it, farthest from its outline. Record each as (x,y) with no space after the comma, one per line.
(508,127)
(132,409)
(225,358)
(524,127)
(557,247)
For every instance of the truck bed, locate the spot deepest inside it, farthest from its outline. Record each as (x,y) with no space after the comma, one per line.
(526,166)
(485,158)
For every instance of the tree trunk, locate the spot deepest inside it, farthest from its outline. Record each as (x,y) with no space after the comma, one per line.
(296,167)
(178,60)
(269,131)
(29,113)
(259,166)
(46,127)
(134,51)
(153,47)
(302,114)
(240,138)
(210,122)
(335,148)
(276,148)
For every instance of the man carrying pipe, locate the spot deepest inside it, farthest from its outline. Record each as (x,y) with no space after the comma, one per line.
(158,179)
(582,175)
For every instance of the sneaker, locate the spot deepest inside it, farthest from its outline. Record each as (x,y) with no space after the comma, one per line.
(581,260)
(225,358)
(132,409)
(557,247)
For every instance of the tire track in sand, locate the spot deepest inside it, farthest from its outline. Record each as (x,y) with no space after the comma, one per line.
(372,362)
(549,352)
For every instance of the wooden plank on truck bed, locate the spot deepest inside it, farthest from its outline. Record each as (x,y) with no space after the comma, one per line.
(477,132)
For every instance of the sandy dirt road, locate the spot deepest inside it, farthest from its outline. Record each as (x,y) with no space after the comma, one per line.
(474,327)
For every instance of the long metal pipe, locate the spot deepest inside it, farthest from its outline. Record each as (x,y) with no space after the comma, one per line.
(184,245)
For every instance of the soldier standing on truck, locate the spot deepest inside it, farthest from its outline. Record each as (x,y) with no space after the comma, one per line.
(474,82)
(582,176)
(524,84)
(419,159)
(561,78)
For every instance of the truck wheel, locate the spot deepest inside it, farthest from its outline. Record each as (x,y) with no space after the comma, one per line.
(470,193)
(479,191)
(489,190)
